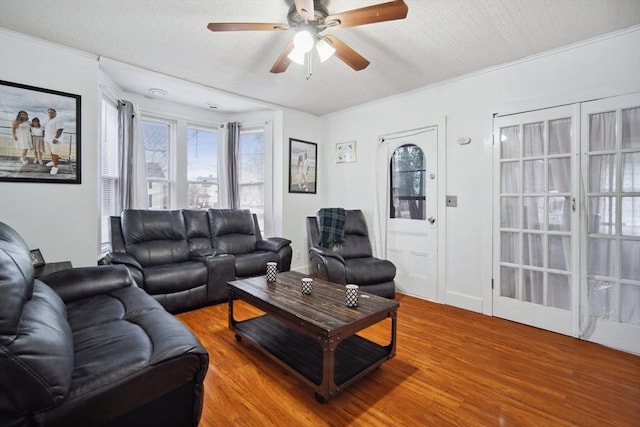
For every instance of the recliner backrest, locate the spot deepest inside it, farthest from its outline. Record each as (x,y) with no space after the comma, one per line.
(155,237)
(232,231)
(197,225)
(356,236)
(36,342)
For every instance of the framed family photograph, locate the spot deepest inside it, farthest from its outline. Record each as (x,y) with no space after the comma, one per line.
(302,166)
(39,135)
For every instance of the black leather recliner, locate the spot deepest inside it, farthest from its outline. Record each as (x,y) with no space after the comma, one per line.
(353,261)
(85,346)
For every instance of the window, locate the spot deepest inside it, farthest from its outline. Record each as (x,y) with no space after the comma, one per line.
(251,172)
(157,141)
(108,170)
(202,168)
(408,192)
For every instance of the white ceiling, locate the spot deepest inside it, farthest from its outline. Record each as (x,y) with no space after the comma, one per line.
(439,40)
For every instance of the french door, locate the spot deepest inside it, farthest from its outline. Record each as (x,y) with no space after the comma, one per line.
(567,220)
(536,249)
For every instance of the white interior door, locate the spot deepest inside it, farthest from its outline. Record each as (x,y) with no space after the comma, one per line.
(610,288)
(412,219)
(535,244)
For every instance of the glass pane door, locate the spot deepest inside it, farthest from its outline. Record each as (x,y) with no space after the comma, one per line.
(536,248)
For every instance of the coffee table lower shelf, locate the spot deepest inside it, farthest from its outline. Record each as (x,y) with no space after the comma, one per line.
(305,356)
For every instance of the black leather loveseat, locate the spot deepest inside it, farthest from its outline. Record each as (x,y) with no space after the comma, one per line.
(86,347)
(185,258)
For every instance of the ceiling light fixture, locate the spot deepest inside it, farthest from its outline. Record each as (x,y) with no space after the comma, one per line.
(325,49)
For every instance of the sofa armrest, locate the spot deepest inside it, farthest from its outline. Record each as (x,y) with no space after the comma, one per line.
(272,244)
(77,283)
(324,252)
(122,258)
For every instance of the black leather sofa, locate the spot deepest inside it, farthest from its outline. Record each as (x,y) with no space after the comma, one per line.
(353,261)
(87,347)
(185,258)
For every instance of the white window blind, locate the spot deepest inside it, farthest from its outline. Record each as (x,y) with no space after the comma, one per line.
(108,170)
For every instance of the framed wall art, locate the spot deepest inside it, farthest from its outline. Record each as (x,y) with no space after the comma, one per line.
(303,171)
(346,152)
(39,135)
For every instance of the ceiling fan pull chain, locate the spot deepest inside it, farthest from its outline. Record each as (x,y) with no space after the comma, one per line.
(310,66)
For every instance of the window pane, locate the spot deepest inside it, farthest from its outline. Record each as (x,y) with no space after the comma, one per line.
(510,212)
(559,256)
(202,155)
(510,177)
(158,195)
(602,297)
(559,214)
(534,176)
(533,140)
(510,142)
(559,291)
(601,215)
(533,213)
(629,297)
(156,145)
(408,190)
(630,259)
(203,195)
(602,173)
(602,257)
(560,136)
(631,217)
(509,280)
(602,131)
(532,250)
(631,172)
(510,247)
(532,286)
(631,128)
(560,175)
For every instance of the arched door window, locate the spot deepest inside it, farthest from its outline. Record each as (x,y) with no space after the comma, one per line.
(408,189)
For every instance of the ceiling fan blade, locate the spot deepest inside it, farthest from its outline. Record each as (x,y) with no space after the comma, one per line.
(371,14)
(349,56)
(305,9)
(283,61)
(246,26)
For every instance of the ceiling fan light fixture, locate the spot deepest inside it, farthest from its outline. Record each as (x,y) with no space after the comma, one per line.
(325,49)
(297,55)
(303,40)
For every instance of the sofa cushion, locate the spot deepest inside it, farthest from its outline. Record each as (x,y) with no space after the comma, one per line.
(38,355)
(155,237)
(369,270)
(232,231)
(357,244)
(197,226)
(179,276)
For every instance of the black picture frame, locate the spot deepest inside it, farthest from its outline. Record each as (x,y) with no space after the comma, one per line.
(36,258)
(303,162)
(36,101)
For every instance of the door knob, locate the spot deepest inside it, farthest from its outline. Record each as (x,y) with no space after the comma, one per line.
(431,220)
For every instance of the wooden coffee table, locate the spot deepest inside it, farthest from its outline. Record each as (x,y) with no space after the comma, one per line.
(313,336)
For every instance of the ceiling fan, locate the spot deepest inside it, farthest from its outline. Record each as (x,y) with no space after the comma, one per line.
(309,19)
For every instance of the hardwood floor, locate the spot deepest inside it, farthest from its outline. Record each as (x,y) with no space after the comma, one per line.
(452,367)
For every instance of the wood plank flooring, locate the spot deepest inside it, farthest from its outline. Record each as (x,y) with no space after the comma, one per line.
(453,367)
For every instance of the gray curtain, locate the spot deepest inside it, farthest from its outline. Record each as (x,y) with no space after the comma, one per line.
(233,147)
(132,191)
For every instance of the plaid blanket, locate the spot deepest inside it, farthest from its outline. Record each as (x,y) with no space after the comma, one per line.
(331,226)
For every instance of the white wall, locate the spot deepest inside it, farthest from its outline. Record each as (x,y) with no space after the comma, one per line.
(600,68)
(60,219)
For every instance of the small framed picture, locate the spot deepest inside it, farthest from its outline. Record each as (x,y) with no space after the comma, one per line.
(36,258)
(346,152)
